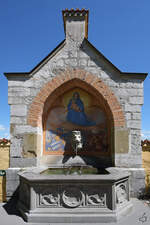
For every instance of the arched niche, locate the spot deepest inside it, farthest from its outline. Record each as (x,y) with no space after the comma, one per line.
(63,83)
(95,121)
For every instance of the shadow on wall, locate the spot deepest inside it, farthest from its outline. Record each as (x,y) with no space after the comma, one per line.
(11,206)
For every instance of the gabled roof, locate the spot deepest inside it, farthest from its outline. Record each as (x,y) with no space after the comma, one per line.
(58,48)
(75,13)
(39,65)
(124,74)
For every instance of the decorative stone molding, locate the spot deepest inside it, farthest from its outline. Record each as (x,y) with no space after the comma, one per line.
(72,197)
(49,198)
(97,200)
(121,194)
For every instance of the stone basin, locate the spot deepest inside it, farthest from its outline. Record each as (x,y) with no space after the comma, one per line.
(74,170)
(85,198)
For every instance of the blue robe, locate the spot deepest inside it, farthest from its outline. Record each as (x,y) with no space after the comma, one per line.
(76,117)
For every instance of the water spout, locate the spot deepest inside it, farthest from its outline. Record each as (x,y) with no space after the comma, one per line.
(76,141)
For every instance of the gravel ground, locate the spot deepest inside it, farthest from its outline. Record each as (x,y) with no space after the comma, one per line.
(139,215)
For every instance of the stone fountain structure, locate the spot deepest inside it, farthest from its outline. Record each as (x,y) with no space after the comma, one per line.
(75,92)
(74,197)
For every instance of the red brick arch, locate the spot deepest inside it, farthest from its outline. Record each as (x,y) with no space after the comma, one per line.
(66,81)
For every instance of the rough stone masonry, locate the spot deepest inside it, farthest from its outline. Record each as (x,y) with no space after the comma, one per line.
(77,61)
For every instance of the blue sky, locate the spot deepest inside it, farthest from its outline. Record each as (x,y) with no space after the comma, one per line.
(30,29)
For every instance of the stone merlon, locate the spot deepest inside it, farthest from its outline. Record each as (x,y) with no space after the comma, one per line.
(76,23)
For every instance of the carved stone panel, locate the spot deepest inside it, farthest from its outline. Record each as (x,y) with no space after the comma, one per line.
(98,200)
(72,197)
(121,194)
(68,196)
(49,197)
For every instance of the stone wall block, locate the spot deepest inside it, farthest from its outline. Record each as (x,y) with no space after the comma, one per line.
(137,84)
(62,54)
(45,72)
(18,120)
(12,181)
(83,54)
(18,91)
(138,173)
(132,108)
(72,53)
(111,83)
(32,145)
(128,160)
(136,116)
(136,100)
(60,63)
(137,187)
(129,91)
(91,63)
(34,91)
(38,82)
(122,93)
(15,83)
(136,144)
(71,62)
(23,162)
(29,83)
(20,129)
(12,100)
(16,147)
(121,141)
(135,124)
(12,174)
(83,63)
(93,71)
(56,71)
(105,76)
(128,116)
(28,100)
(18,110)
(135,92)
(135,132)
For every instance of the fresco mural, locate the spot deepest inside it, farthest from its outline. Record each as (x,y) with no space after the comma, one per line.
(76,110)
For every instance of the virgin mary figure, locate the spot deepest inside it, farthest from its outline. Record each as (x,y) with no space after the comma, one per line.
(76,112)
